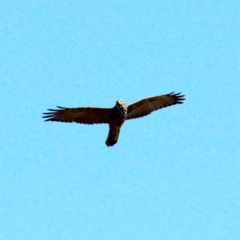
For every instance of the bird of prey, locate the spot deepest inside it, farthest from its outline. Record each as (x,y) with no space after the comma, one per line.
(115,116)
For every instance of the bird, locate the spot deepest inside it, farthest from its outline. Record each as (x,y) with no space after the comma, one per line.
(116,116)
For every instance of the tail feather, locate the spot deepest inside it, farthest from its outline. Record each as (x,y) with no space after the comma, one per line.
(112,137)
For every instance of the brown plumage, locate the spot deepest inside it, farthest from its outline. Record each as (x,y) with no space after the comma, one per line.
(115,116)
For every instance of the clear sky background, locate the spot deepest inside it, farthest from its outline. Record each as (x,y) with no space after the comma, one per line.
(174,174)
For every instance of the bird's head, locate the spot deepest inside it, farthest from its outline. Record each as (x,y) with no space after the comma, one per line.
(120,104)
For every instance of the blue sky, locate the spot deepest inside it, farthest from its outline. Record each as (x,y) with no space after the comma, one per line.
(173,174)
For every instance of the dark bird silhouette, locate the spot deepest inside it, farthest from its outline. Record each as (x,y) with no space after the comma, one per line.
(115,116)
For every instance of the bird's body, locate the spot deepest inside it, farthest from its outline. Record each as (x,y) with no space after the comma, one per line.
(115,116)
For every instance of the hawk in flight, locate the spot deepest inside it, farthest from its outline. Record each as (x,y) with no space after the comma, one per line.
(115,116)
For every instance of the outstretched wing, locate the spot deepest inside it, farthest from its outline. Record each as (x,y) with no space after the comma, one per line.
(147,105)
(86,115)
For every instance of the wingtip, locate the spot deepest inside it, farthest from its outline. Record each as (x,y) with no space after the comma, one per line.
(49,116)
(179,94)
(180,98)
(54,110)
